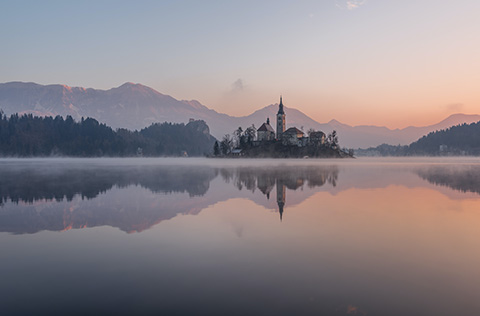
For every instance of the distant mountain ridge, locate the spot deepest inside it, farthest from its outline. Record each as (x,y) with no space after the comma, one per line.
(135,106)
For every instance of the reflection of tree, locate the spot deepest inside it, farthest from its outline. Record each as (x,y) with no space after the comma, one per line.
(29,185)
(461,178)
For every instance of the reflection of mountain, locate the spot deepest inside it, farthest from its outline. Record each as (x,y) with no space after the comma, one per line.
(461,178)
(59,197)
(131,209)
(63,197)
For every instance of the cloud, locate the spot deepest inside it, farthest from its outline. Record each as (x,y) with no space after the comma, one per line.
(454,107)
(349,4)
(238,85)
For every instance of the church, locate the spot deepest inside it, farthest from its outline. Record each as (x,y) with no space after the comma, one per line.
(292,136)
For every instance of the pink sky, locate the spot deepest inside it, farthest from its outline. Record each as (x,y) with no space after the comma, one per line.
(362,62)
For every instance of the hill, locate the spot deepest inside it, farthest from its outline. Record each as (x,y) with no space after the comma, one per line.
(457,140)
(461,139)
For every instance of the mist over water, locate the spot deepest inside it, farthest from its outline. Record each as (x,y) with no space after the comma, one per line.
(233,236)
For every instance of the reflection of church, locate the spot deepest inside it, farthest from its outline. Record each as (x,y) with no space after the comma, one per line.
(269,180)
(280,196)
(293,179)
(282,184)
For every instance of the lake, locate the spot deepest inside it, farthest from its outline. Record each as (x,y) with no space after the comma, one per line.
(240,237)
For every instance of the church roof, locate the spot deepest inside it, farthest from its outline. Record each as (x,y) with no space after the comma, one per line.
(266,128)
(293,130)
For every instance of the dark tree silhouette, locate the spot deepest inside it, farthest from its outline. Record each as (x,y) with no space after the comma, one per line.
(29,135)
(216,149)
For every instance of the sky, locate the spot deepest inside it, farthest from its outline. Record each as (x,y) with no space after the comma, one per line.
(361,62)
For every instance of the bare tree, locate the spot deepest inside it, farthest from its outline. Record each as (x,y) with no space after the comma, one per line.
(237,134)
(250,133)
(332,140)
(226,144)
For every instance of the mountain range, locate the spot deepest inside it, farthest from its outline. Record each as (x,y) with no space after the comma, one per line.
(135,106)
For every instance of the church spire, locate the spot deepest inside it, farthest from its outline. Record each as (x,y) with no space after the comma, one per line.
(280,106)
(280,119)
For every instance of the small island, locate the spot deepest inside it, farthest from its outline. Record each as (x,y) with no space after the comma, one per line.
(284,143)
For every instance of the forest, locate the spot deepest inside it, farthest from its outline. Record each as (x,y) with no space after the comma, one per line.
(459,140)
(34,136)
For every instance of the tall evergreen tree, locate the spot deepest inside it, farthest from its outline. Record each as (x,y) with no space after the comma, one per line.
(216,149)
(28,135)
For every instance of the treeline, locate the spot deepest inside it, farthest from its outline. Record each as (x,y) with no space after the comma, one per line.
(29,136)
(457,140)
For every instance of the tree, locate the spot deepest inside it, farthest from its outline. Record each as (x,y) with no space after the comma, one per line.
(43,136)
(237,134)
(250,133)
(226,144)
(216,149)
(332,140)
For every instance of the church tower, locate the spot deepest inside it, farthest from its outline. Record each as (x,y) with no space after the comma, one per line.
(280,119)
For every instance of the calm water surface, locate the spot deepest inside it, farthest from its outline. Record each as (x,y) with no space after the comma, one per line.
(240,237)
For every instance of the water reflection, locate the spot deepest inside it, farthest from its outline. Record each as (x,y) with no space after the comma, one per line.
(136,197)
(66,197)
(356,238)
(281,178)
(464,178)
(34,183)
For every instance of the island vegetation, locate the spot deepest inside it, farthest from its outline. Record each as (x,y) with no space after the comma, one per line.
(243,143)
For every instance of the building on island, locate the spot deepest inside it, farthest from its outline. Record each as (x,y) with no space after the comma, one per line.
(293,136)
(280,120)
(266,132)
(280,143)
(317,138)
(290,137)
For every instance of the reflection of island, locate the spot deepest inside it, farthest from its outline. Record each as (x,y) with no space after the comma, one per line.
(282,178)
(60,198)
(460,178)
